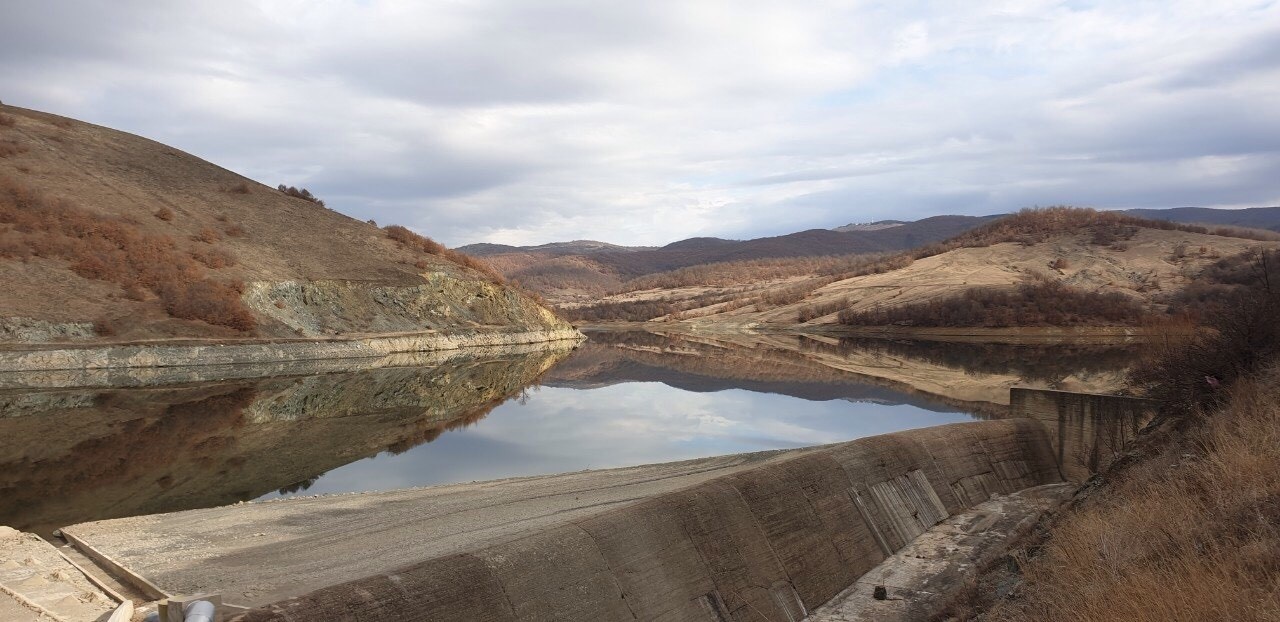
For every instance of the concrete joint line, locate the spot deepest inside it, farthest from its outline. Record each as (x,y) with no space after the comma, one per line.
(613,574)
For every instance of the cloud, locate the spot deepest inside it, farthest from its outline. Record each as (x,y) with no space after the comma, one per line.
(529,122)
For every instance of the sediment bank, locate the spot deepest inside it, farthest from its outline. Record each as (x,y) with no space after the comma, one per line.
(187,355)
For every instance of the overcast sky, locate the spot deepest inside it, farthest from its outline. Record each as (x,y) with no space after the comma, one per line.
(648,121)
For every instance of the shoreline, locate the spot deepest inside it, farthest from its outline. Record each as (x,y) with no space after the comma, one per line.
(153,355)
(1010,335)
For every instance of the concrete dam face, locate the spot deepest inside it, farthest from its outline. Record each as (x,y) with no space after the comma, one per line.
(772,540)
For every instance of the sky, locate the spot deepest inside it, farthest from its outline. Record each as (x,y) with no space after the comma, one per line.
(526,122)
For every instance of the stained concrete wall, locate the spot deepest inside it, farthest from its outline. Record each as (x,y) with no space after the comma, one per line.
(1086,430)
(771,543)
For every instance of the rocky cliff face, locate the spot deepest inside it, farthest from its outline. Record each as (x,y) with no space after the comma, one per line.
(441,302)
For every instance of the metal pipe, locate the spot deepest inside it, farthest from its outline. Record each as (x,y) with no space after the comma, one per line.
(198,611)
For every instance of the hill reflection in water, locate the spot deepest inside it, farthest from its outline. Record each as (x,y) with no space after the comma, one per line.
(620,399)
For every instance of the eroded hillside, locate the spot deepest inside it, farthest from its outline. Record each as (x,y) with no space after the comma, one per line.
(108,236)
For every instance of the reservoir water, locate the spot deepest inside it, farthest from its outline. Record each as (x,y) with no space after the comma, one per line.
(142,444)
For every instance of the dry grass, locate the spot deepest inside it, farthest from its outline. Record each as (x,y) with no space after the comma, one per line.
(1193,535)
(423,244)
(115,250)
(7,120)
(11,148)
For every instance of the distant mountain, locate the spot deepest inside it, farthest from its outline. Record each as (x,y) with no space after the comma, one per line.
(576,247)
(1253,217)
(870,226)
(532,265)
(582,270)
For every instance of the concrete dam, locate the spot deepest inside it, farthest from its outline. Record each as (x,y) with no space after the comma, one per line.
(764,536)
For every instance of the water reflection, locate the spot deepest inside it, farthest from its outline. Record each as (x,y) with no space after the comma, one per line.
(68,456)
(73,455)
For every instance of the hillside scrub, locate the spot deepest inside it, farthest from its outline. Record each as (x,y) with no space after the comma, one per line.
(724,274)
(409,239)
(1239,335)
(104,248)
(1045,303)
(1185,525)
(1190,533)
(296,193)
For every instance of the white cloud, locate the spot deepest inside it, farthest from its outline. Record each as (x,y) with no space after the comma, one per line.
(528,122)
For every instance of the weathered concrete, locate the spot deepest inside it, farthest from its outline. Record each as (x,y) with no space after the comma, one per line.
(918,579)
(760,536)
(37,583)
(159,355)
(1086,430)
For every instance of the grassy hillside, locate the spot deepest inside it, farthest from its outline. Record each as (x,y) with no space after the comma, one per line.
(581,272)
(106,235)
(1185,523)
(1125,262)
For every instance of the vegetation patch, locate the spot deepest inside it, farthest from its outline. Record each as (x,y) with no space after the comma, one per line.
(1186,524)
(296,193)
(408,239)
(1032,304)
(103,248)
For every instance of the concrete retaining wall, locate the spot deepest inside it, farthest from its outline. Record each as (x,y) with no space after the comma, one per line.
(1086,430)
(771,543)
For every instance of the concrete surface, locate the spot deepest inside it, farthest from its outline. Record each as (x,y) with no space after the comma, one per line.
(918,578)
(1086,430)
(747,537)
(38,584)
(257,553)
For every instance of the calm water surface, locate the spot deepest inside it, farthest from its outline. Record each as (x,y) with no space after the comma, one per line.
(74,455)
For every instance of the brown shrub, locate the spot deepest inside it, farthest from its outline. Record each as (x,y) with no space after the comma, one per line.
(303,194)
(164,214)
(208,301)
(214,258)
(815,311)
(7,120)
(62,123)
(235,230)
(240,188)
(11,148)
(1043,303)
(1236,302)
(208,235)
(408,239)
(103,327)
(113,250)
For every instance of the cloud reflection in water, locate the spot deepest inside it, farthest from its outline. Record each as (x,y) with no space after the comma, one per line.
(563,429)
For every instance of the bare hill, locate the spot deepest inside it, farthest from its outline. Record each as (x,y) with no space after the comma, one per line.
(572,272)
(106,235)
(1144,262)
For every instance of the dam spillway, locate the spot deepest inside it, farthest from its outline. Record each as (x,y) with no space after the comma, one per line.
(772,535)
